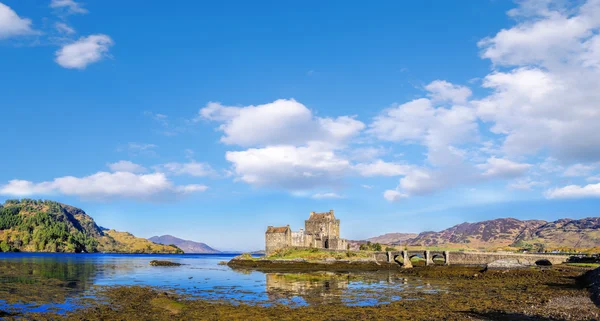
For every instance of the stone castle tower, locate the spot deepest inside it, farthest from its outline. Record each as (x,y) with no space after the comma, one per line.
(321,230)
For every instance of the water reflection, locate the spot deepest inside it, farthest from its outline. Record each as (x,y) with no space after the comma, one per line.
(314,288)
(38,282)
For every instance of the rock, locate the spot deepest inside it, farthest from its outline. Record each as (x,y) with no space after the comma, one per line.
(163,263)
(222,263)
(591,280)
(508,264)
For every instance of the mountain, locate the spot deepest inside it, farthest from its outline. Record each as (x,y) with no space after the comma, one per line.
(47,226)
(393,238)
(509,233)
(185,245)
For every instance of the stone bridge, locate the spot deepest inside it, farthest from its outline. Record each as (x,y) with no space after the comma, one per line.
(466,258)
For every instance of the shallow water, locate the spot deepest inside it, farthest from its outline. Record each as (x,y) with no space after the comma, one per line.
(43,281)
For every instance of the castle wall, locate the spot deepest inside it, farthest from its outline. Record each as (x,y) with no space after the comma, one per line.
(337,244)
(301,239)
(323,227)
(275,241)
(298,239)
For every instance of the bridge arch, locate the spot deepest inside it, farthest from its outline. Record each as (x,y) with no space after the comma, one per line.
(438,259)
(400,258)
(417,258)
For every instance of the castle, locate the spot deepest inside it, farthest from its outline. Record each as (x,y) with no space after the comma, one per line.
(321,230)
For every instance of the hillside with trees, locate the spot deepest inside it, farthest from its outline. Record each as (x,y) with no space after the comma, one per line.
(47,226)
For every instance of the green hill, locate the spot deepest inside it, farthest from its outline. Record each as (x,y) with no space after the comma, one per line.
(47,226)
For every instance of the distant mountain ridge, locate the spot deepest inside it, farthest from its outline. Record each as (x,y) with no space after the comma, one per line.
(507,233)
(46,226)
(390,238)
(186,245)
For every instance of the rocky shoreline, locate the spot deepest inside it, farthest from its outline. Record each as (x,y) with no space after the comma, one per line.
(526,294)
(305,265)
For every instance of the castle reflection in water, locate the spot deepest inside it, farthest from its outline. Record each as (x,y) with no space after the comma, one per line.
(314,288)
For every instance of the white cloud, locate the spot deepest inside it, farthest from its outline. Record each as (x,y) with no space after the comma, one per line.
(576,170)
(364,154)
(394,196)
(575,191)
(381,168)
(503,168)
(126,166)
(86,50)
(140,146)
(440,130)
(548,35)
(326,196)
(421,181)
(64,28)
(419,122)
(191,168)
(135,149)
(593,178)
(12,25)
(441,90)
(366,186)
(282,122)
(103,185)
(289,167)
(70,6)
(525,184)
(406,122)
(191,188)
(292,148)
(545,100)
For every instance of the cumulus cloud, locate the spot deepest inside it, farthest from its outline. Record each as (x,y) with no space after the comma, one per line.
(544,99)
(85,51)
(126,166)
(441,130)
(282,122)
(288,146)
(289,167)
(326,196)
(103,185)
(541,100)
(191,168)
(394,196)
(503,168)
(64,28)
(381,168)
(575,191)
(12,25)
(526,184)
(70,6)
(442,90)
(578,170)
(135,149)
(418,121)
(422,181)
(191,188)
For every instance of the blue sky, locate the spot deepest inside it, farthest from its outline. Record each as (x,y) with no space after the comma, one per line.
(210,121)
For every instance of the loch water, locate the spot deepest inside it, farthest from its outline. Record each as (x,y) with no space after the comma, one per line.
(57,282)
